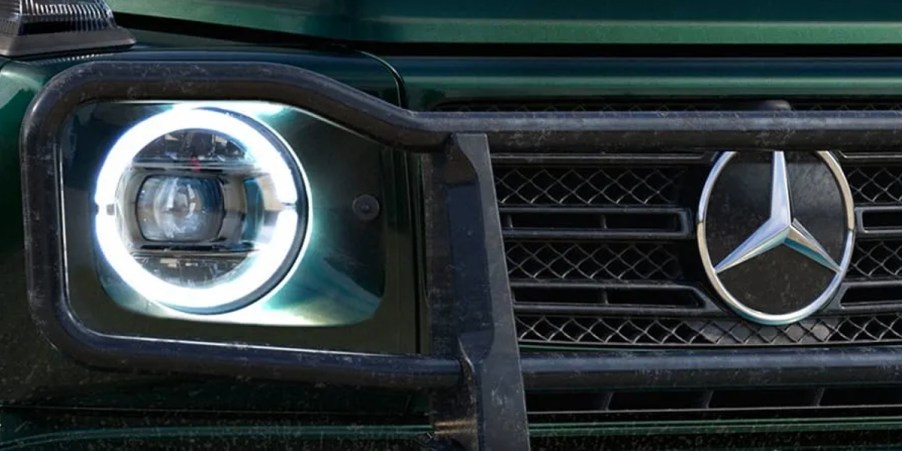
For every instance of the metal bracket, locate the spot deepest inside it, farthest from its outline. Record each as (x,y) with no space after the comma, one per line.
(472,312)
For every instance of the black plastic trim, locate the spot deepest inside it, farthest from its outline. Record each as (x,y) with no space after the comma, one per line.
(703,306)
(864,223)
(887,306)
(681,228)
(36,44)
(470,300)
(687,157)
(712,368)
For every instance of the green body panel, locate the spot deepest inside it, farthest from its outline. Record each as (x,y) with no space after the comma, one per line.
(23,429)
(572,22)
(56,429)
(430,81)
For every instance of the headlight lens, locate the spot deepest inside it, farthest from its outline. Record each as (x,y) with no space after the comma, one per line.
(201,210)
(180,209)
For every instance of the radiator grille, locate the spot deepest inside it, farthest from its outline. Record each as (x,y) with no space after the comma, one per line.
(635,284)
(601,247)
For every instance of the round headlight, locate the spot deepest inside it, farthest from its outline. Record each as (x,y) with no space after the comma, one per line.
(201,210)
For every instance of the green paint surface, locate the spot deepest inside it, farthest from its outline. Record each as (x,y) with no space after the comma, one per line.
(575,21)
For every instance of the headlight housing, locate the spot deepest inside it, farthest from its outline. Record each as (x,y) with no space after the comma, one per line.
(219,212)
(201,210)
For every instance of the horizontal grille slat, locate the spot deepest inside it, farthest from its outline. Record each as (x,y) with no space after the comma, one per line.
(595,223)
(879,221)
(749,401)
(624,297)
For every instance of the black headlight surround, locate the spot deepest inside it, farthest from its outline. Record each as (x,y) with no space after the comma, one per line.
(46,252)
(344,287)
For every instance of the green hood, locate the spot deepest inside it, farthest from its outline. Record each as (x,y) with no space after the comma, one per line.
(553,22)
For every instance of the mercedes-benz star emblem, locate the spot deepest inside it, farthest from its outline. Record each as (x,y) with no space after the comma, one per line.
(775,232)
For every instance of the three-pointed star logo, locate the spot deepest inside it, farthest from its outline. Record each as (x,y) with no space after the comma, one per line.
(781,229)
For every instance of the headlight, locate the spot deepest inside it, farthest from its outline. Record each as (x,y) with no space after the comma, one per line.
(219,213)
(201,210)
(191,223)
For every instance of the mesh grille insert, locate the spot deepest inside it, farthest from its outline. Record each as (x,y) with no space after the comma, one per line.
(876,260)
(563,330)
(875,184)
(591,261)
(579,186)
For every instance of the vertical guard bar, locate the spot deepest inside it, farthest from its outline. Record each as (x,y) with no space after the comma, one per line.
(471,311)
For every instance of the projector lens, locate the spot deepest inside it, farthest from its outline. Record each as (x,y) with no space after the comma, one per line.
(180,209)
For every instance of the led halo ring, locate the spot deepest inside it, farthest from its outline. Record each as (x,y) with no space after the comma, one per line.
(272,259)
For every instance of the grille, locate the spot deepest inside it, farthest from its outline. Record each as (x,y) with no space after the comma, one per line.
(601,250)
